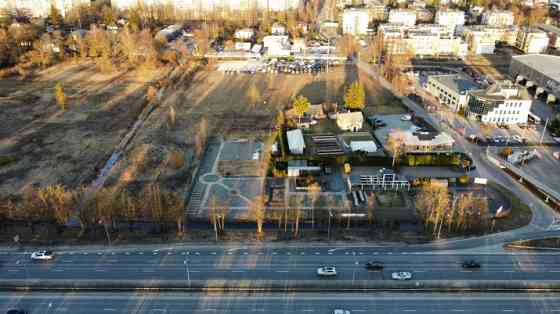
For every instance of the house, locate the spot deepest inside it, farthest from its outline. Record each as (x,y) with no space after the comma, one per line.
(244,34)
(501,103)
(313,112)
(451,90)
(296,143)
(278,29)
(350,121)
(277,45)
(418,141)
(355,21)
(297,168)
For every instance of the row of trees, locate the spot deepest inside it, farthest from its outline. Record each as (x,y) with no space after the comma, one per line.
(57,204)
(442,211)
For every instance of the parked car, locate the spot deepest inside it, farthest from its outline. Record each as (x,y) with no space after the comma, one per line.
(406,117)
(42,255)
(340,311)
(401,275)
(327,271)
(16,311)
(471,264)
(374,265)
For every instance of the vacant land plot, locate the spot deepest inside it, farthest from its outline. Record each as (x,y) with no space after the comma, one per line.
(45,145)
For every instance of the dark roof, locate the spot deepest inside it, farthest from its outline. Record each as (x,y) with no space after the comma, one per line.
(457,82)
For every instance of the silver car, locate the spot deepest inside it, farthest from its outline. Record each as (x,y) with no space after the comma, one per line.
(329,271)
(401,275)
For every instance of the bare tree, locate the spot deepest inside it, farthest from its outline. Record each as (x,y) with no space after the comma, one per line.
(258,213)
(395,143)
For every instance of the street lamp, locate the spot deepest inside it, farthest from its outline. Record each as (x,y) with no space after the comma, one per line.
(187,271)
(329,228)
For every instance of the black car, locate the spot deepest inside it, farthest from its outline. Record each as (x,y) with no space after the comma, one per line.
(471,264)
(16,311)
(374,265)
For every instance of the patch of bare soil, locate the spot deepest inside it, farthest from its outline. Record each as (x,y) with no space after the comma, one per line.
(52,146)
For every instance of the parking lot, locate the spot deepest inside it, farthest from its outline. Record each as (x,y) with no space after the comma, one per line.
(265,66)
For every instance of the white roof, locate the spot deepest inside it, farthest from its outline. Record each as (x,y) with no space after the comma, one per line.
(295,140)
(349,117)
(439,139)
(365,146)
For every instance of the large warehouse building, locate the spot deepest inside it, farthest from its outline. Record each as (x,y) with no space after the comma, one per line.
(539,70)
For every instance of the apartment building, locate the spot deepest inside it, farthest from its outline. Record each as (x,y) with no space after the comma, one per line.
(501,103)
(497,18)
(377,10)
(422,40)
(355,21)
(482,39)
(454,20)
(532,40)
(451,90)
(404,17)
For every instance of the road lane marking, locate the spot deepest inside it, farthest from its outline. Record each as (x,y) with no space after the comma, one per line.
(282,271)
(309,310)
(508,310)
(317,253)
(409,310)
(109,309)
(212,253)
(149,271)
(509,271)
(100,270)
(59,270)
(418,271)
(274,253)
(457,310)
(237,271)
(13,270)
(99,253)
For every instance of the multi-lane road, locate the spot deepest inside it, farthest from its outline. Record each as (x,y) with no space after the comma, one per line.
(276,264)
(310,303)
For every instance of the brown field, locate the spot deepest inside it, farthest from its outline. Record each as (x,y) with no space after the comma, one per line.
(45,145)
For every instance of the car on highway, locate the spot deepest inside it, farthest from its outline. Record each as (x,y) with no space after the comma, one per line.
(401,275)
(340,311)
(406,117)
(374,265)
(42,255)
(16,311)
(470,264)
(327,271)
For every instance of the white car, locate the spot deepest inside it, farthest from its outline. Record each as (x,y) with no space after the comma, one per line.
(326,271)
(406,117)
(42,255)
(401,275)
(339,311)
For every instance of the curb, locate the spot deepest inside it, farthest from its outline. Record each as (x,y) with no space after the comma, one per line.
(529,248)
(280,286)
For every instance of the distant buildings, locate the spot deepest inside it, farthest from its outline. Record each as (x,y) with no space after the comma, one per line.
(482,39)
(454,20)
(355,21)
(502,103)
(403,17)
(451,90)
(244,34)
(497,18)
(278,29)
(532,40)
(377,10)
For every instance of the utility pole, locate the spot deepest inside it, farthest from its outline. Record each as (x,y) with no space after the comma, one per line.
(544,130)
(329,228)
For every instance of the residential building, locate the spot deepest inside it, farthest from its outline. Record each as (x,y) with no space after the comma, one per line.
(402,16)
(424,15)
(451,90)
(497,18)
(277,45)
(329,29)
(482,39)
(244,34)
(501,103)
(454,20)
(532,40)
(350,121)
(215,5)
(355,21)
(377,10)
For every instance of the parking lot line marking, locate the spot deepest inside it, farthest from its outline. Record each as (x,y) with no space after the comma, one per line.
(109,309)
(282,271)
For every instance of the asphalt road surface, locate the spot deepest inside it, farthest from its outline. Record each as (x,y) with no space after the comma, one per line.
(276,264)
(385,303)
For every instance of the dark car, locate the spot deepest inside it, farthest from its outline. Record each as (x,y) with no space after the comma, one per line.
(16,311)
(471,264)
(374,265)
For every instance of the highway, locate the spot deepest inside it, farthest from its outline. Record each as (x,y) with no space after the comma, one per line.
(385,303)
(276,264)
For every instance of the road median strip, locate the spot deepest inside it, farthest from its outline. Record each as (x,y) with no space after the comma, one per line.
(281,285)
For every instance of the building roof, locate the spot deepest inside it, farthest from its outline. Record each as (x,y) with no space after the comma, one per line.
(295,140)
(349,117)
(427,138)
(503,90)
(456,82)
(549,28)
(547,65)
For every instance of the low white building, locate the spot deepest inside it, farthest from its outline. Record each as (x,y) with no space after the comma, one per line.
(501,103)
(451,90)
(363,146)
(355,21)
(244,34)
(243,46)
(297,168)
(422,40)
(482,39)
(296,143)
(454,20)
(350,121)
(417,141)
(532,40)
(498,18)
(277,45)
(402,16)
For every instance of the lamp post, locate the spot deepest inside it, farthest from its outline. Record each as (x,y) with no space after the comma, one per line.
(329,228)
(187,271)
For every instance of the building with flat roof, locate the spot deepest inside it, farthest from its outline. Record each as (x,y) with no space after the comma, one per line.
(454,20)
(402,16)
(538,70)
(296,143)
(532,40)
(501,103)
(427,142)
(451,90)
(482,39)
(553,33)
(497,18)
